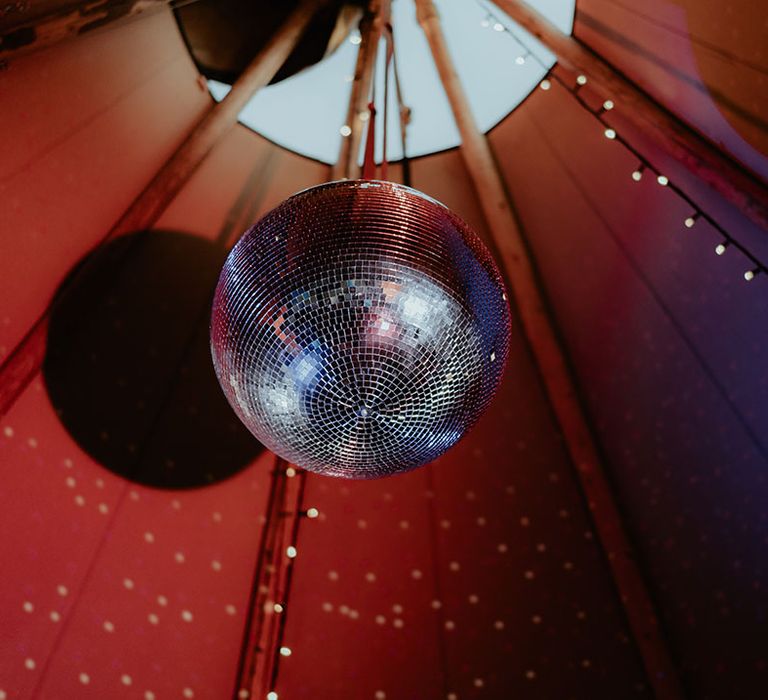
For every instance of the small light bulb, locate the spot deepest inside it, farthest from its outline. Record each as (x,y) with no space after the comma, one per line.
(272,695)
(498,26)
(581,80)
(720,248)
(545,84)
(291,552)
(285,651)
(749,275)
(610,134)
(637,175)
(520,60)
(690,222)
(354,39)
(608,105)
(312,512)
(278,608)
(345,130)
(663,180)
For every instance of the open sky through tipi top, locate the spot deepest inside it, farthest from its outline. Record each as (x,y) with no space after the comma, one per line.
(306,112)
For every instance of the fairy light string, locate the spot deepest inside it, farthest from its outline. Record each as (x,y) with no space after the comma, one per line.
(264,642)
(644,167)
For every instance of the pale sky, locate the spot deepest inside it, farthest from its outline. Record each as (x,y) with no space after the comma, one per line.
(305,112)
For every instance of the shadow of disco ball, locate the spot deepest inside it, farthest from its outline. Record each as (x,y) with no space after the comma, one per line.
(359,329)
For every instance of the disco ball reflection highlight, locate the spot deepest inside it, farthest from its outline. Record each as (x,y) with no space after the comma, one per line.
(359,329)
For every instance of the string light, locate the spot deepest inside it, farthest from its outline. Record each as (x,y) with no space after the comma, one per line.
(355,39)
(690,222)
(638,172)
(275,584)
(498,27)
(345,130)
(520,60)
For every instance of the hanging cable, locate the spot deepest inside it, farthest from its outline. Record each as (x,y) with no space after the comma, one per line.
(404,113)
(346,166)
(369,162)
(390,50)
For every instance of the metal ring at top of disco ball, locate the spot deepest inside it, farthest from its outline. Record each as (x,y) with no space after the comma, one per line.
(359,329)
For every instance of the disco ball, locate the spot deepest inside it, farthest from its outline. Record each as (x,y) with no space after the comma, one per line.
(359,329)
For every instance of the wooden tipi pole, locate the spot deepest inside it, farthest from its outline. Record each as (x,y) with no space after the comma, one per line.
(705,160)
(371,27)
(27,358)
(550,358)
(271,584)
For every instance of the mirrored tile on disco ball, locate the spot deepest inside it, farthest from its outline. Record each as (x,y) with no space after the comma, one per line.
(359,329)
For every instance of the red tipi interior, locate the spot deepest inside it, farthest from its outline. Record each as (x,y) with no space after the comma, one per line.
(148,542)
